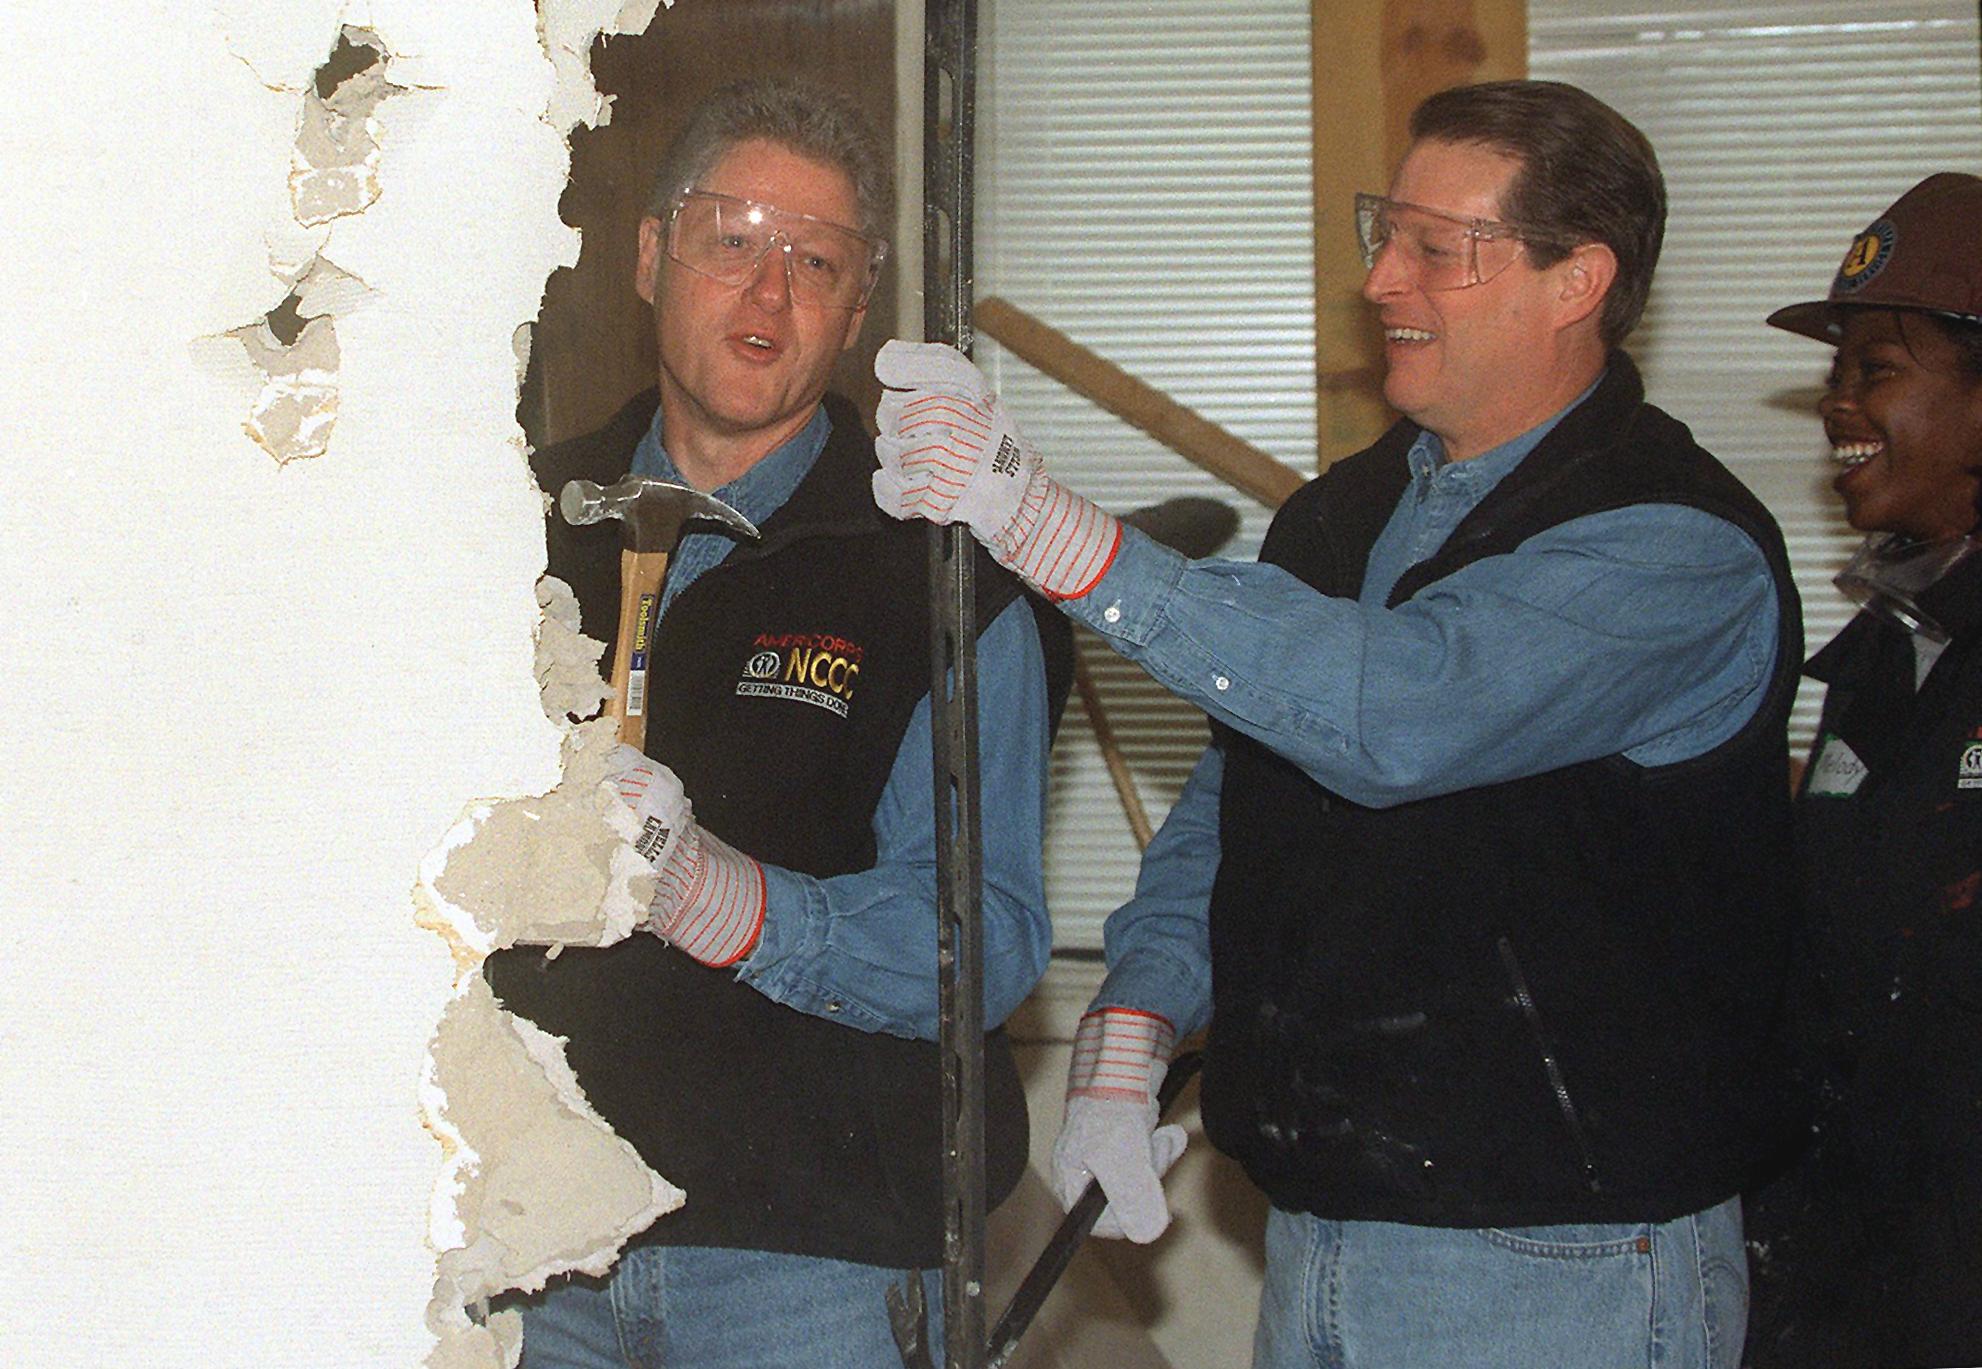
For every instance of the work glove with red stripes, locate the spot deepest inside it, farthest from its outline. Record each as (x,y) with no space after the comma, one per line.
(949,453)
(1110,1135)
(709,896)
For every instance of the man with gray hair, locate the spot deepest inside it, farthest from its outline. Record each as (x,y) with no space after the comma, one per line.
(770,1046)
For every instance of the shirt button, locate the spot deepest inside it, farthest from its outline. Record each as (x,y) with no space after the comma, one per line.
(1219,682)
(1112,614)
(833,1005)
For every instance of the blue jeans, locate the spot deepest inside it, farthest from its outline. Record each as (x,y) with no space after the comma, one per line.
(694,1307)
(1376,1295)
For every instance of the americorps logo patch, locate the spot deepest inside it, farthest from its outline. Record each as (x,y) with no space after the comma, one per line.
(817,668)
(1968,771)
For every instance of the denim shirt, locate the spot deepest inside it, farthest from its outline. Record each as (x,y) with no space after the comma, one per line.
(860,948)
(1648,631)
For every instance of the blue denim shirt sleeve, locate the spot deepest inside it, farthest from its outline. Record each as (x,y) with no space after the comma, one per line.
(1648,630)
(861,948)
(1158,944)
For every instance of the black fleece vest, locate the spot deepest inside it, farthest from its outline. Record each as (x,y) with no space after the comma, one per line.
(1892,881)
(783,684)
(1548,1000)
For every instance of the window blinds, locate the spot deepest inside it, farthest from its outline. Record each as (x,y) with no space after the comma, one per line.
(1143,186)
(1782,128)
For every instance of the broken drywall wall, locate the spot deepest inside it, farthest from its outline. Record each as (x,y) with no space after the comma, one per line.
(533,1182)
(242,700)
(568,677)
(555,868)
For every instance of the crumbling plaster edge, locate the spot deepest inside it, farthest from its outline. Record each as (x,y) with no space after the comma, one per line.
(465,1338)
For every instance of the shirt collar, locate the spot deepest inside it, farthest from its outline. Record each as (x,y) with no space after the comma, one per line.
(1427,454)
(760,491)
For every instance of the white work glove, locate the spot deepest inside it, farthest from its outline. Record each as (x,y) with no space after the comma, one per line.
(709,897)
(950,454)
(1110,1135)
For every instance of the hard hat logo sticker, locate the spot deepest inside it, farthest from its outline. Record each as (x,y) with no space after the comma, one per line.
(1870,251)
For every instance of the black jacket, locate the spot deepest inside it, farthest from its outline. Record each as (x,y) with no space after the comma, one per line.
(784,680)
(1540,1001)
(1870,1251)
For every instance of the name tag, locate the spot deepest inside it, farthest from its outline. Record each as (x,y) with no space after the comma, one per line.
(1837,772)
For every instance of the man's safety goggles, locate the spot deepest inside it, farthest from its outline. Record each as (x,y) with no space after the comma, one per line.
(724,238)
(1442,251)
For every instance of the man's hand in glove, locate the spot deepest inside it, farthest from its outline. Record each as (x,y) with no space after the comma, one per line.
(950,454)
(709,897)
(1110,1135)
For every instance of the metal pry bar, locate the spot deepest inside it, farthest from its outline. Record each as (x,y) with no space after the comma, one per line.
(949,92)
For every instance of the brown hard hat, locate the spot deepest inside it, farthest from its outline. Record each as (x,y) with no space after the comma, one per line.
(1923,253)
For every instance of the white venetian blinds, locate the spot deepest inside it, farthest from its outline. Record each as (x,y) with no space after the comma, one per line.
(1143,185)
(1783,128)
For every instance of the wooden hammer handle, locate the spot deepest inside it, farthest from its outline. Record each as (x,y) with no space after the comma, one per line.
(640,575)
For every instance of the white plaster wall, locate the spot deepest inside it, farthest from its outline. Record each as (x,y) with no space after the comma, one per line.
(239,701)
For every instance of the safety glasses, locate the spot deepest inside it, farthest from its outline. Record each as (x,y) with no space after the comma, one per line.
(1442,251)
(724,238)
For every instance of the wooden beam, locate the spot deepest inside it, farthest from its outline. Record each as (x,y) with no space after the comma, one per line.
(1196,438)
(1349,155)
(1433,45)
(1374,61)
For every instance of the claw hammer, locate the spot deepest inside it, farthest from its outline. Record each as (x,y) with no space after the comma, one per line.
(651,514)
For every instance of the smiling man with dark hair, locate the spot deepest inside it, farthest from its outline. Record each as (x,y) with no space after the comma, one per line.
(1482,886)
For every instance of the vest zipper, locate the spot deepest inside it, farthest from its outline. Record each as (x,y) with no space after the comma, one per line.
(1550,1065)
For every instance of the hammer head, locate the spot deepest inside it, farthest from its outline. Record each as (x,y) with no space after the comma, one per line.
(650,512)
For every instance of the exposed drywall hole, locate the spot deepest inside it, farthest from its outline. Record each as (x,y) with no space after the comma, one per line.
(357,51)
(285,321)
(335,168)
(293,358)
(567,32)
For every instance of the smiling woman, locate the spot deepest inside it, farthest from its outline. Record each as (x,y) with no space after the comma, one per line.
(1903,411)
(1867,1252)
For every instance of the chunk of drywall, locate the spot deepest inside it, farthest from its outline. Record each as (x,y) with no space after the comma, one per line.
(568,678)
(553,869)
(535,1184)
(556,868)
